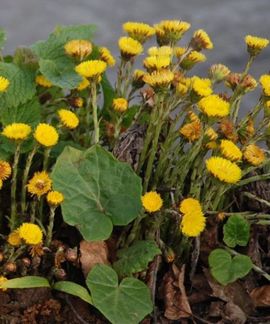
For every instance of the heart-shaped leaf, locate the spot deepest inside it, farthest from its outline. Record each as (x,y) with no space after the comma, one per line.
(99,191)
(236,231)
(226,269)
(125,303)
(136,257)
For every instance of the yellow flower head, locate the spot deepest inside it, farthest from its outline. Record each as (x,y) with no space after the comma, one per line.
(68,118)
(17,131)
(160,51)
(46,135)
(2,281)
(4,84)
(14,238)
(223,169)
(120,104)
(179,51)
(139,31)
(230,151)
(192,58)
(182,87)
(78,48)
(202,87)
(5,170)
(254,154)
(211,134)
(43,82)
(129,47)
(1,184)
(265,82)
(255,44)
(83,84)
(170,31)
(159,79)
(201,40)
(190,205)
(40,184)
(30,233)
(191,131)
(214,106)
(152,201)
(193,224)
(218,72)
(91,69)
(138,78)
(55,198)
(106,56)
(156,62)
(77,102)
(193,117)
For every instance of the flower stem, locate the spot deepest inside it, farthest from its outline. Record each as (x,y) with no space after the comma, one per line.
(46,158)
(95,114)
(50,226)
(13,216)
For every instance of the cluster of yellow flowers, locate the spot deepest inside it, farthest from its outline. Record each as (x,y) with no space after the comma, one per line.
(27,233)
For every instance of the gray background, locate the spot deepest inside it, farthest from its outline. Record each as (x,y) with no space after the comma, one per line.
(226,21)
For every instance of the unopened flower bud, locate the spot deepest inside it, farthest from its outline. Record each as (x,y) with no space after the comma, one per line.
(10,267)
(71,255)
(218,72)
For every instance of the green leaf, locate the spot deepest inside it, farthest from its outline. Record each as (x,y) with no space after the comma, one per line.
(74,289)
(28,113)
(3,38)
(25,57)
(99,191)
(135,258)
(236,231)
(25,282)
(21,88)
(125,303)
(108,92)
(226,269)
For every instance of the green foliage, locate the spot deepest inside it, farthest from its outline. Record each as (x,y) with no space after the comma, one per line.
(135,258)
(22,87)
(99,191)
(73,289)
(236,231)
(226,269)
(26,282)
(3,38)
(108,92)
(54,64)
(125,303)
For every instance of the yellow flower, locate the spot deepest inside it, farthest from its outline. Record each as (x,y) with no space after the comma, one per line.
(230,151)
(17,131)
(68,118)
(182,87)
(152,201)
(79,48)
(30,233)
(159,79)
(212,145)
(265,82)
(170,31)
(156,62)
(192,58)
(46,135)
(4,83)
(211,133)
(223,169)
(138,75)
(1,184)
(106,56)
(191,131)
(40,184)
(193,224)
(5,170)
(2,281)
(201,40)
(179,51)
(120,104)
(218,72)
(14,238)
(255,44)
(254,155)
(190,205)
(202,87)
(129,47)
(214,106)
(193,117)
(91,69)
(55,198)
(160,51)
(83,85)
(42,81)
(77,102)
(139,31)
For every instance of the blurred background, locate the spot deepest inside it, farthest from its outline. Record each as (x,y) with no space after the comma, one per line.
(227,22)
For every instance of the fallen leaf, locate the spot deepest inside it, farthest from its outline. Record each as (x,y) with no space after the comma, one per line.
(261,296)
(92,253)
(234,314)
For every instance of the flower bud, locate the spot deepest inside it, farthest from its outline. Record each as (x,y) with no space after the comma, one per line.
(218,72)
(10,267)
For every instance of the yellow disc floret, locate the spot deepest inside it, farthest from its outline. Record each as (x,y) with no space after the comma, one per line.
(46,135)
(152,201)
(120,104)
(17,131)
(189,205)
(159,79)
(4,84)
(55,198)
(214,106)
(68,118)
(40,184)
(14,238)
(230,151)
(139,31)
(91,69)
(30,233)
(254,154)
(129,47)
(255,44)
(202,87)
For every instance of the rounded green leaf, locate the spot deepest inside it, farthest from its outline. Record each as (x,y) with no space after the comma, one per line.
(99,191)
(74,289)
(236,231)
(125,303)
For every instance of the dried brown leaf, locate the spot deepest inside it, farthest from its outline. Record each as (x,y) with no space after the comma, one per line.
(92,253)
(261,296)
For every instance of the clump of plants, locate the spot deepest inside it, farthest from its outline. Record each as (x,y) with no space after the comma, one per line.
(131,195)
